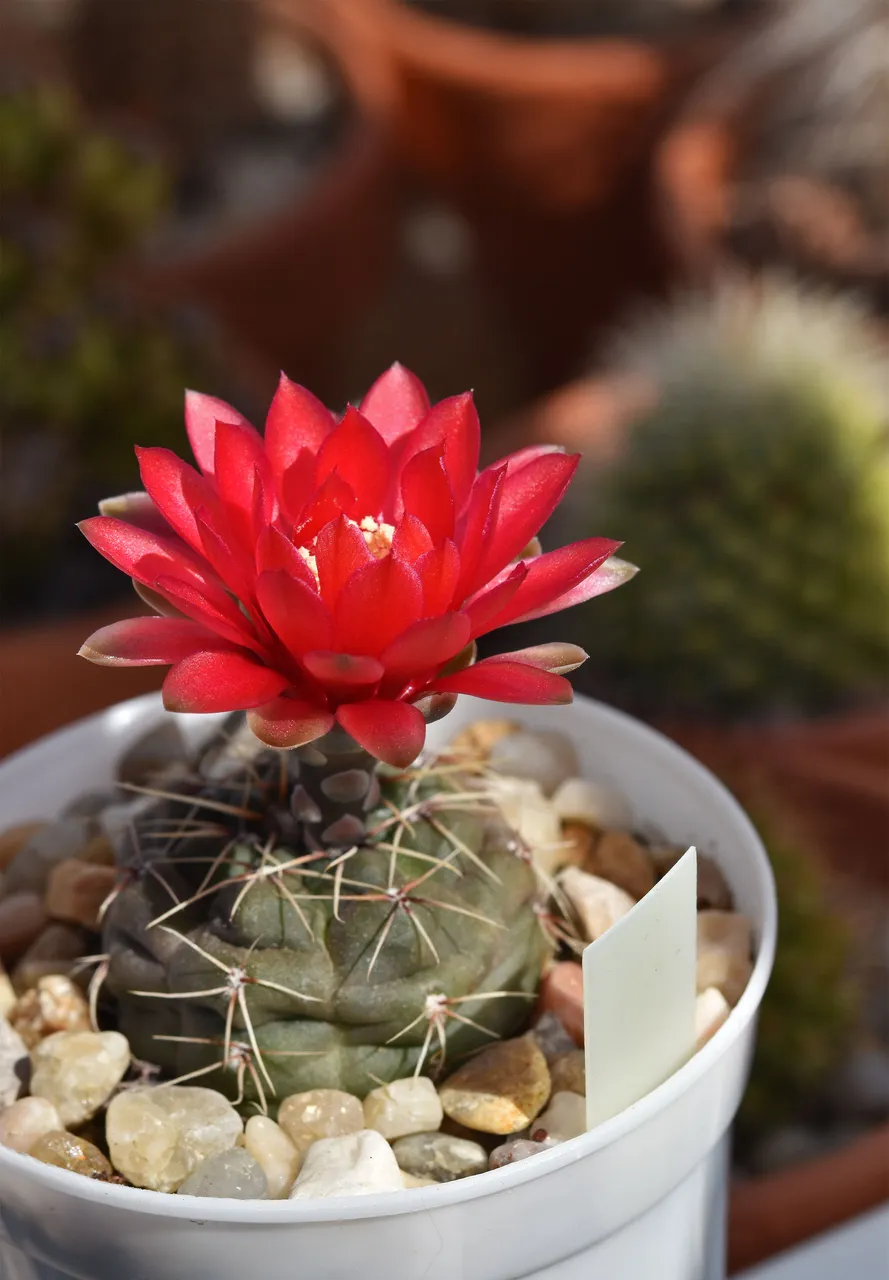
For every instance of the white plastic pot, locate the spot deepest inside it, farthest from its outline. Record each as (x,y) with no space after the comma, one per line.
(640,1198)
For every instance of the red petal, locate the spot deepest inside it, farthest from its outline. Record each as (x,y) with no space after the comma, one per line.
(288,722)
(297,485)
(393,732)
(395,403)
(296,420)
(426,493)
(375,605)
(229,561)
(344,675)
(477,526)
(355,451)
(220,682)
(528,498)
(201,416)
(490,604)
(274,551)
(340,551)
(411,540)
(240,457)
(219,613)
(550,576)
(439,572)
(453,423)
(507,682)
(296,615)
(613,573)
(177,490)
(334,498)
(425,646)
(129,548)
(136,509)
(145,642)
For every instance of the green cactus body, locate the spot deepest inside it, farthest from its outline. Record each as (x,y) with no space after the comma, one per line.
(258,953)
(756,494)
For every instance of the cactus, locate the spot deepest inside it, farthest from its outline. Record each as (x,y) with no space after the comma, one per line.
(245,955)
(756,490)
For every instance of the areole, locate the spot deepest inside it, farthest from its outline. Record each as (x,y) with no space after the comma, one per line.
(641,1195)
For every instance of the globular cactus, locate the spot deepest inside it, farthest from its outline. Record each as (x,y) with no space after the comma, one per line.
(246,953)
(755,489)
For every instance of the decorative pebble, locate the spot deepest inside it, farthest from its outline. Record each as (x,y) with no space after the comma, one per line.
(354,1164)
(408,1181)
(561,993)
(26,1121)
(724,947)
(598,903)
(55,950)
(158,1136)
(564,1118)
(711,1011)
(67,1151)
(153,751)
(477,740)
(65,838)
(439,1156)
(594,805)
(501,1089)
(531,815)
(273,1151)
(78,1071)
(76,891)
(519,1149)
(231,1175)
(22,917)
(403,1107)
(578,845)
(550,1034)
(13,1063)
(319,1113)
(713,891)
(546,757)
(568,1073)
(55,1004)
(14,839)
(622,860)
(7,994)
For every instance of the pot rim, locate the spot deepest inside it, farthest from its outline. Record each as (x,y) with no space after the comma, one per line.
(397,1203)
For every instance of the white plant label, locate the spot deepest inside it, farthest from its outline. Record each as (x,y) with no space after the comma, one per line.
(639,995)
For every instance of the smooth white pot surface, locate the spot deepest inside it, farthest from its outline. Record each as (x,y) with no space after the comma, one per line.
(640,1197)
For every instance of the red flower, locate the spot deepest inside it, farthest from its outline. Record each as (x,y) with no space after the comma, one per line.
(332,571)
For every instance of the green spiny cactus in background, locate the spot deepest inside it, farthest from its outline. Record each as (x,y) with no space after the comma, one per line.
(808,1010)
(246,955)
(75,201)
(756,492)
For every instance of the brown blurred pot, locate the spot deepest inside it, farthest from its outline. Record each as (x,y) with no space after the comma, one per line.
(832,773)
(289,288)
(544,144)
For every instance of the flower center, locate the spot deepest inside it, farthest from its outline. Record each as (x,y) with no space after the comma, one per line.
(376,533)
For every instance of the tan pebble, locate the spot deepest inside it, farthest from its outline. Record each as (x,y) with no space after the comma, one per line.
(158,1136)
(579,843)
(26,1121)
(66,1151)
(22,916)
(622,860)
(581,800)
(14,839)
(98,852)
(76,891)
(78,1071)
(410,1181)
(55,1004)
(476,741)
(711,1011)
(569,1073)
(501,1090)
(561,993)
(319,1113)
(403,1107)
(56,950)
(7,994)
(598,903)
(275,1154)
(725,941)
(526,809)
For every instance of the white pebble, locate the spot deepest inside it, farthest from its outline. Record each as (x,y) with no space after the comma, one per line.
(8,997)
(564,1118)
(13,1058)
(356,1164)
(403,1107)
(158,1136)
(546,757)
(78,1071)
(725,940)
(27,1120)
(273,1151)
(580,800)
(711,1011)
(599,903)
(533,818)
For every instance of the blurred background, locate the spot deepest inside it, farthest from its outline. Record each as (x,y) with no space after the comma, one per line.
(656,231)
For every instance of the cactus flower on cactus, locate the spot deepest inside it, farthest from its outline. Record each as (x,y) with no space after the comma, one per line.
(339,572)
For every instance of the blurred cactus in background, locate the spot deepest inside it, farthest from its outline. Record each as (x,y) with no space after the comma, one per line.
(755,490)
(83,372)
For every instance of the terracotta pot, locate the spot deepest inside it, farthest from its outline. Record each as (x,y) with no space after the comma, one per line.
(289,288)
(544,144)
